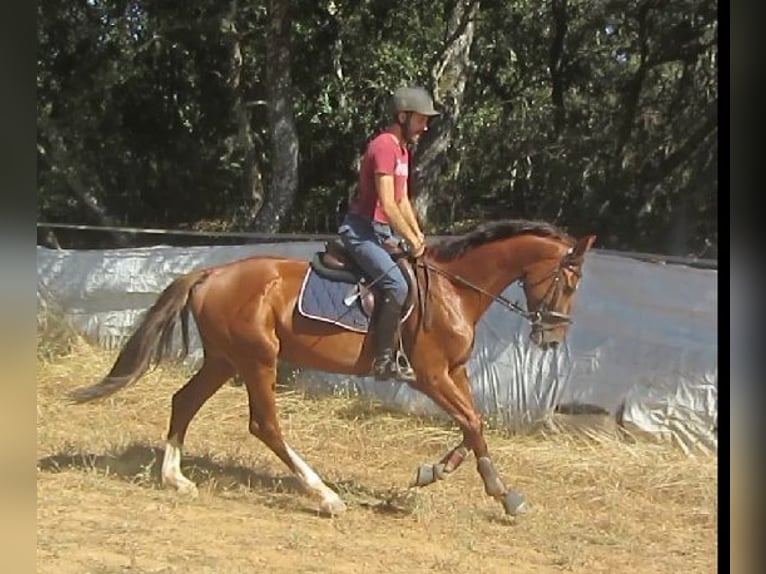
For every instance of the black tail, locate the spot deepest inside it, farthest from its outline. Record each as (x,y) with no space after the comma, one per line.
(150,343)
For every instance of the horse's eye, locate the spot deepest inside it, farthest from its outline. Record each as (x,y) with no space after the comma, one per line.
(570,284)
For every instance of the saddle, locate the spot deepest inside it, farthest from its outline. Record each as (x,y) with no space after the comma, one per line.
(335,264)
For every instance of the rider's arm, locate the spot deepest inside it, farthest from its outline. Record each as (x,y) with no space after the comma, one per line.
(405,206)
(384,184)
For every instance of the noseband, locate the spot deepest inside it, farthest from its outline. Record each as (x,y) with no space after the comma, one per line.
(543,317)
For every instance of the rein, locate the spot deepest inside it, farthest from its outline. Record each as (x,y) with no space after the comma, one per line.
(537,318)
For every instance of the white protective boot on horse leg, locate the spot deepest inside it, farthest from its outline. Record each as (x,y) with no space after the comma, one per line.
(429,473)
(513,502)
(171,470)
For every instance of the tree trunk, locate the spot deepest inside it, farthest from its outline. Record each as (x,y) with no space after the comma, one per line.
(283,182)
(632,93)
(67,165)
(252,192)
(556,64)
(449,73)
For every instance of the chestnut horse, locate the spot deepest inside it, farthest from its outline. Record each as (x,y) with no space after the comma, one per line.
(246,315)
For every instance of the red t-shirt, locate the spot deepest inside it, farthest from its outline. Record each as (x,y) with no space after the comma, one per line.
(384,155)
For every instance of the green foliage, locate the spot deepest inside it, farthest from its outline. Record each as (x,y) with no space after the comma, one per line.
(599,115)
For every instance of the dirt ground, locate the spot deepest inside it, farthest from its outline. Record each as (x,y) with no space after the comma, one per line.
(598,503)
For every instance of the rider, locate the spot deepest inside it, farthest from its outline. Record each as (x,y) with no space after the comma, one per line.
(379,210)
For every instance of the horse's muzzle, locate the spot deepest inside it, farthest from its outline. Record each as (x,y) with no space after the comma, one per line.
(547,338)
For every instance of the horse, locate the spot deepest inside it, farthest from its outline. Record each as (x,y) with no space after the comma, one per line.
(246,316)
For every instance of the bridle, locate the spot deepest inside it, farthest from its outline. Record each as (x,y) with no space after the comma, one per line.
(543,318)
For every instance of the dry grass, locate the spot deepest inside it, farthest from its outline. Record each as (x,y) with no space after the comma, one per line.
(599,504)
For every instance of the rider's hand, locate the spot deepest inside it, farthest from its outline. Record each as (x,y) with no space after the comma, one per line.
(418,249)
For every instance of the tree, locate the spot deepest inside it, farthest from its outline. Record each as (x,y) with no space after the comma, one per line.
(598,115)
(283,182)
(449,73)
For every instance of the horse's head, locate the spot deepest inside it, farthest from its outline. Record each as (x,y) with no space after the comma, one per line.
(544,259)
(550,293)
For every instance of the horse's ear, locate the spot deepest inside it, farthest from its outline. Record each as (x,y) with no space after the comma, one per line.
(583,245)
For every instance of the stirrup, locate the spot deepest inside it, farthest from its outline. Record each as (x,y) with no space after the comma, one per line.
(403,367)
(394,366)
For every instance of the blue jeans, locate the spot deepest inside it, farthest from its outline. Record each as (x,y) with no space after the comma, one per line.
(364,239)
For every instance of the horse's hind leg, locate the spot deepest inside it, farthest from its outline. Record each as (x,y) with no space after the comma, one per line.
(186,403)
(260,380)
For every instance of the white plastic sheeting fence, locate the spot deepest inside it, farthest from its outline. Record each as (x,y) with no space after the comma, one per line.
(643,346)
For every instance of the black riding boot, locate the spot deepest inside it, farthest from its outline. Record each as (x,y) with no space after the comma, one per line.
(385,365)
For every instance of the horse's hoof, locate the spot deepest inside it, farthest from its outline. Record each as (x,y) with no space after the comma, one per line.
(425,475)
(332,507)
(514,503)
(182,486)
(188,489)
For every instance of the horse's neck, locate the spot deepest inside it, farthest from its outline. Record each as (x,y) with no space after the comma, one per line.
(494,266)
(488,267)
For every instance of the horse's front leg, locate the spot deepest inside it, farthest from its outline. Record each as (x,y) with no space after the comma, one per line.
(429,473)
(452,392)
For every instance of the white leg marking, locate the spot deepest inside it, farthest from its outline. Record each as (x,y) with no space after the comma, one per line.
(331,502)
(171,470)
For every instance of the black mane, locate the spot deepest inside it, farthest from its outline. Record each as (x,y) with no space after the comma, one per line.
(493,231)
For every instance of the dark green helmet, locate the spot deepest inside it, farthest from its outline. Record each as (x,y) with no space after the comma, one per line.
(412,99)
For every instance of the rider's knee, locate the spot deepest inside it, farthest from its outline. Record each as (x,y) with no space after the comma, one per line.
(397,292)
